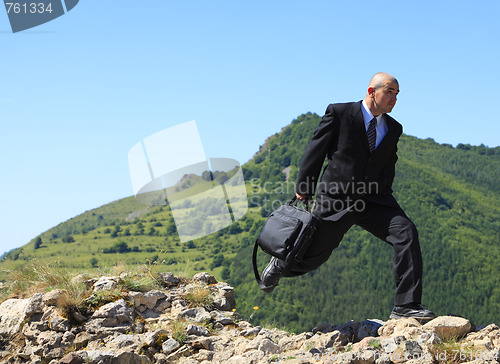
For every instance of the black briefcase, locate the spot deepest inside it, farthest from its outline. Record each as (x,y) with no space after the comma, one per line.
(286,235)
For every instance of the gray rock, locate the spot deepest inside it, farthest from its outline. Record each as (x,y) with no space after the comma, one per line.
(106,284)
(33,329)
(160,358)
(151,337)
(323,341)
(251,331)
(197,314)
(58,323)
(80,279)
(81,339)
(71,358)
(203,355)
(239,359)
(412,350)
(51,298)
(170,345)
(181,352)
(163,304)
(253,344)
(293,342)
(389,345)
(205,278)
(148,299)
(35,305)
(49,340)
(197,330)
(368,328)
(201,343)
(117,312)
(96,356)
(12,315)
(224,298)
(169,279)
(409,326)
(221,319)
(68,337)
(254,356)
(29,351)
(130,358)
(269,347)
(428,338)
(449,326)
(129,342)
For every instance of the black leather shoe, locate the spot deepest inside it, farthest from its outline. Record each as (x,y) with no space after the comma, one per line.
(271,276)
(413,310)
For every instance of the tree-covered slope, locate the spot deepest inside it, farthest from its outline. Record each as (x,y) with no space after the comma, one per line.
(450,193)
(452,196)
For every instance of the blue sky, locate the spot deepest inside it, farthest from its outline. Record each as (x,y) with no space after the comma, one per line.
(78,92)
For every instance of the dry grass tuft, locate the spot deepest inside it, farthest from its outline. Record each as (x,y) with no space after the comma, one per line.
(178,330)
(199,295)
(38,278)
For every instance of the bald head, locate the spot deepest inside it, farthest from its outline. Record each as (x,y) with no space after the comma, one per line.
(382,93)
(380,79)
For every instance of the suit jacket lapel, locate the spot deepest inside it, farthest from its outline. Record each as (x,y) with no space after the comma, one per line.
(359,122)
(389,136)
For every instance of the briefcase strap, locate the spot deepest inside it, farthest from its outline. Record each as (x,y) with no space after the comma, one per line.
(255,269)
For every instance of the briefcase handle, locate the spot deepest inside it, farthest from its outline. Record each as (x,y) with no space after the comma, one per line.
(306,204)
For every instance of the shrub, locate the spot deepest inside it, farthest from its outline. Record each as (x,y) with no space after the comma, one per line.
(68,239)
(38,242)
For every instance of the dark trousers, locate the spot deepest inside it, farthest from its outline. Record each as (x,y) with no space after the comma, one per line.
(389,224)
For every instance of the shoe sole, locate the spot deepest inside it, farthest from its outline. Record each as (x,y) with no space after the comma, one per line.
(264,272)
(268,289)
(394,316)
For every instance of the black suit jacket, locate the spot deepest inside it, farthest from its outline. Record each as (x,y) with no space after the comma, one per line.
(352,171)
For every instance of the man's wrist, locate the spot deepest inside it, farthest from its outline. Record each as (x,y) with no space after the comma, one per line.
(303,197)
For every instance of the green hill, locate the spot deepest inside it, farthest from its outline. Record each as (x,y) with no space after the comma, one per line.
(452,194)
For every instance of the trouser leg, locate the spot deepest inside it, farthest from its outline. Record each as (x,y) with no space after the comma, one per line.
(394,227)
(326,238)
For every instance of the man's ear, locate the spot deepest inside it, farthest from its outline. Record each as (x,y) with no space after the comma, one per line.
(371,90)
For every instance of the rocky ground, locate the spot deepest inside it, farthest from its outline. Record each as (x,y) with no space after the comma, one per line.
(193,321)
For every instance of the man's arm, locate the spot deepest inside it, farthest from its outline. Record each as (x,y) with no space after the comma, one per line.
(390,170)
(314,156)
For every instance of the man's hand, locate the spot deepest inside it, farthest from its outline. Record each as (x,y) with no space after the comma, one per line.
(303,198)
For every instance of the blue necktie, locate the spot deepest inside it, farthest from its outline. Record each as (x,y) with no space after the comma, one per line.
(372,134)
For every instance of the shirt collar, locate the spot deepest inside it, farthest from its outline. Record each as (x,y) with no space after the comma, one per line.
(367,114)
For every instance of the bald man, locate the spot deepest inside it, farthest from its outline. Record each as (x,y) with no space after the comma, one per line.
(359,141)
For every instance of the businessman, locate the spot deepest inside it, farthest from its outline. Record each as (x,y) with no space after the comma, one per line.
(359,140)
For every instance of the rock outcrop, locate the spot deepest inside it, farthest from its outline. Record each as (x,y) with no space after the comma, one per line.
(195,322)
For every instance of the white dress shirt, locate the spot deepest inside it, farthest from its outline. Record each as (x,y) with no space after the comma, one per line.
(381,125)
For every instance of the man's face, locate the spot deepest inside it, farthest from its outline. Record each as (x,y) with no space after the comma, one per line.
(385,97)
